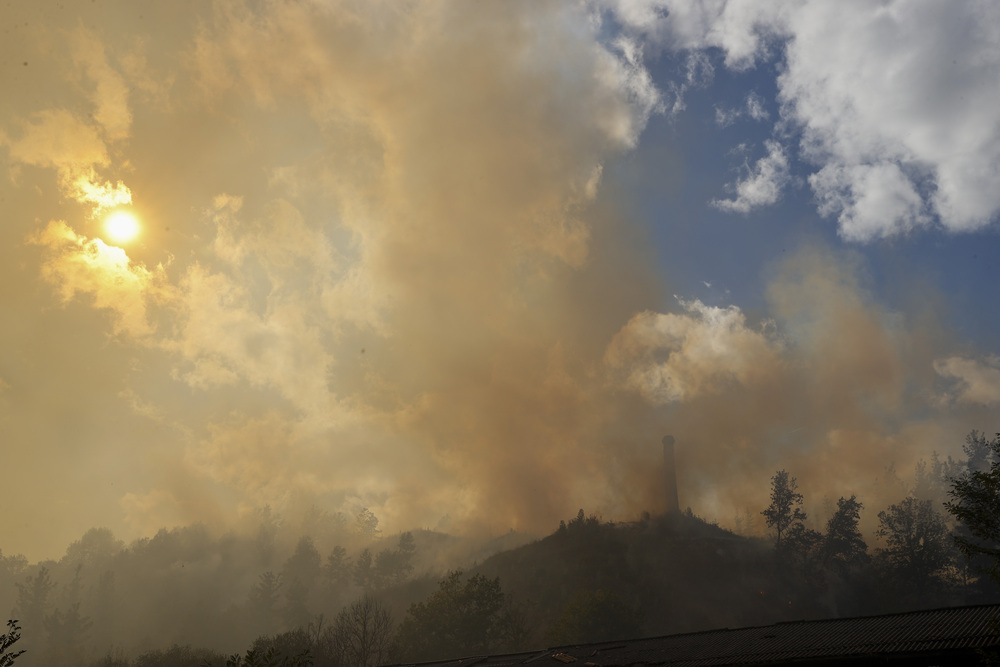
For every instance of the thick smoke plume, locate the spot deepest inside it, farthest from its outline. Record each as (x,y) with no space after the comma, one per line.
(378,271)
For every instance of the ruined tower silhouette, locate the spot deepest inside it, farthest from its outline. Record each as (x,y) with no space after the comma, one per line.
(670,475)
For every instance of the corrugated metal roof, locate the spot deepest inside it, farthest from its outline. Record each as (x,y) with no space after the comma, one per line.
(954,629)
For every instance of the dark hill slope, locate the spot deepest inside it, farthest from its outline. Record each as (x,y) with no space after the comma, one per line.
(680,573)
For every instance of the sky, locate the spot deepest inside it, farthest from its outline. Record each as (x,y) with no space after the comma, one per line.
(465,263)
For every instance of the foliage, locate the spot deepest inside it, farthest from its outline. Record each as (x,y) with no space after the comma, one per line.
(286,649)
(366,524)
(268,658)
(33,597)
(364,573)
(338,567)
(801,545)
(117,658)
(267,533)
(300,573)
(594,616)
(67,630)
(388,567)
(785,508)
(304,564)
(362,634)
(97,545)
(844,547)
(264,594)
(460,618)
(580,521)
(975,502)
(980,452)
(799,557)
(916,538)
(8,639)
(175,656)
(392,566)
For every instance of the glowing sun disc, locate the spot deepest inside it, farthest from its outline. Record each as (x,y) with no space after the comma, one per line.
(122,226)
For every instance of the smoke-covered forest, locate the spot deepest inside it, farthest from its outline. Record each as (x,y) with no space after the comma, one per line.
(327,589)
(320,315)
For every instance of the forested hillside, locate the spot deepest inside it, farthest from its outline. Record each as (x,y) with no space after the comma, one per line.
(332,591)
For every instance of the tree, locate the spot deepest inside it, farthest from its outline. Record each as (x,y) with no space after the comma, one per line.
(595,616)
(364,574)
(981,453)
(268,658)
(366,524)
(392,566)
(916,538)
(97,546)
(362,634)
(785,508)
(843,546)
(286,649)
(264,597)
(67,632)
(583,521)
(470,617)
(802,545)
(8,639)
(407,548)
(338,567)
(267,534)
(337,573)
(33,597)
(105,609)
(175,656)
(914,565)
(300,573)
(975,503)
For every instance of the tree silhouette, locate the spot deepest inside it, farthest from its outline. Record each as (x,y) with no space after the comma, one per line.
(470,617)
(366,524)
(595,616)
(33,597)
(267,534)
(67,632)
(362,634)
(285,649)
(364,573)
(980,452)
(843,545)
(337,573)
(264,598)
(785,508)
(975,502)
(338,567)
(915,535)
(299,574)
(392,566)
(8,639)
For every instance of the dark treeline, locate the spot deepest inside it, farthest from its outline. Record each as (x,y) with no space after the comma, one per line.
(334,591)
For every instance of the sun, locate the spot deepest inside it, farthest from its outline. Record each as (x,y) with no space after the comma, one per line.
(122,226)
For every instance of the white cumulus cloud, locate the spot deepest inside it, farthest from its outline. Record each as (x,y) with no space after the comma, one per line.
(763,183)
(976,382)
(896,102)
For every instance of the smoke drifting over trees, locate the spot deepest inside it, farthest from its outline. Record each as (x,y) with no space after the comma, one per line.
(414,282)
(352,597)
(409,275)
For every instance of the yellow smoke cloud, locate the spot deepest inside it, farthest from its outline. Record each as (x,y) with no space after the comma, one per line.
(383,273)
